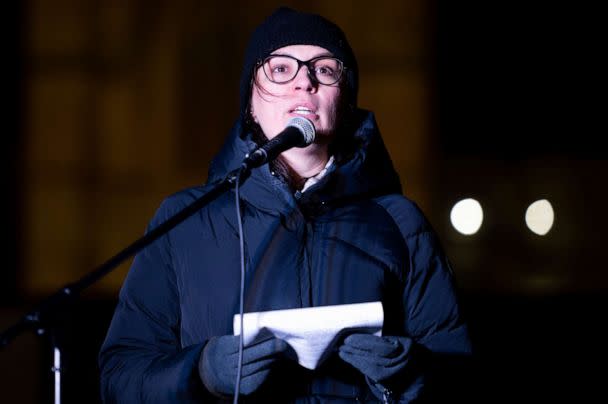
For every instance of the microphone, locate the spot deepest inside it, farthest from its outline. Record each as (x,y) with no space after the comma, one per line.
(300,132)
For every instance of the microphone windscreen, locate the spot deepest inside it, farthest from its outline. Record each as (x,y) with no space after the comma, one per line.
(305,126)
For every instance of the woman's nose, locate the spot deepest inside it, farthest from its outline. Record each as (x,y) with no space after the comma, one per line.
(303,80)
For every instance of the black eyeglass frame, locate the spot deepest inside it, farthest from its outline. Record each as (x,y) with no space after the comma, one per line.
(308,64)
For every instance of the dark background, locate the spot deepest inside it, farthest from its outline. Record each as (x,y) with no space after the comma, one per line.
(514,97)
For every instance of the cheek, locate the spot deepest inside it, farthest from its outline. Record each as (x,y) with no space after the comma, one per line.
(333,105)
(263,98)
(265,112)
(259,104)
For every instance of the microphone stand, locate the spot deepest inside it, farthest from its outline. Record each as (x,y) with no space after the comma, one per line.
(42,317)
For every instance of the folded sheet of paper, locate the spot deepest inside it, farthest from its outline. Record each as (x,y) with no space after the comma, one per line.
(312,331)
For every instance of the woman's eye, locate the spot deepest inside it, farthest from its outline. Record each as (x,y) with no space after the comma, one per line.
(325,71)
(279,69)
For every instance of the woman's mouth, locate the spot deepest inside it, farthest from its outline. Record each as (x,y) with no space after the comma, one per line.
(303,111)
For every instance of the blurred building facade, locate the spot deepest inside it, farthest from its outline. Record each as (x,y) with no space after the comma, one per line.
(121,103)
(127,102)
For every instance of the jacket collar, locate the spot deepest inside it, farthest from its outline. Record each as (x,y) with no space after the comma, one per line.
(364,171)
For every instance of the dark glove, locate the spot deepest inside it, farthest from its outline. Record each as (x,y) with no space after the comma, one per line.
(378,358)
(219,360)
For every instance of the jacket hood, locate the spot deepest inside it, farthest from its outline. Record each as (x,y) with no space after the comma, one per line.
(362,169)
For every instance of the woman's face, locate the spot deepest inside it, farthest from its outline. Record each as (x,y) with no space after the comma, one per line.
(273,105)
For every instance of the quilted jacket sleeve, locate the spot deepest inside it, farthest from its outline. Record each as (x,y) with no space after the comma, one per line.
(141,359)
(433,317)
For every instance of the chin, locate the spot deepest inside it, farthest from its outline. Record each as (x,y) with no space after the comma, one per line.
(325,130)
(323,136)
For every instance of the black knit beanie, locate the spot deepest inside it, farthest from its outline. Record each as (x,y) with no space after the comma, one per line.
(286,27)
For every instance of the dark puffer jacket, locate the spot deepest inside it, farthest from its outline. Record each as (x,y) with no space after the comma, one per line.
(350,238)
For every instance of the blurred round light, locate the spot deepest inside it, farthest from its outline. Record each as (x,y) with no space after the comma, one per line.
(466,216)
(540,217)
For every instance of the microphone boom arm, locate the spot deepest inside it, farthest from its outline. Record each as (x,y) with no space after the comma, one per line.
(35,318)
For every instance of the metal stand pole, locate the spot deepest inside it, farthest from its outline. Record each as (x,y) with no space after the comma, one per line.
(42,316)
(56,369)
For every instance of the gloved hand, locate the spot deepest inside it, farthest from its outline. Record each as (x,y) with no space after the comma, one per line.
(218,363)
(378,358)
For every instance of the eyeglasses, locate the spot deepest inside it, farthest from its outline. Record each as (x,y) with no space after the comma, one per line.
(281,69)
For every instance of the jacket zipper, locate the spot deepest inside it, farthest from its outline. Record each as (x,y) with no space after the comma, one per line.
(387,395)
